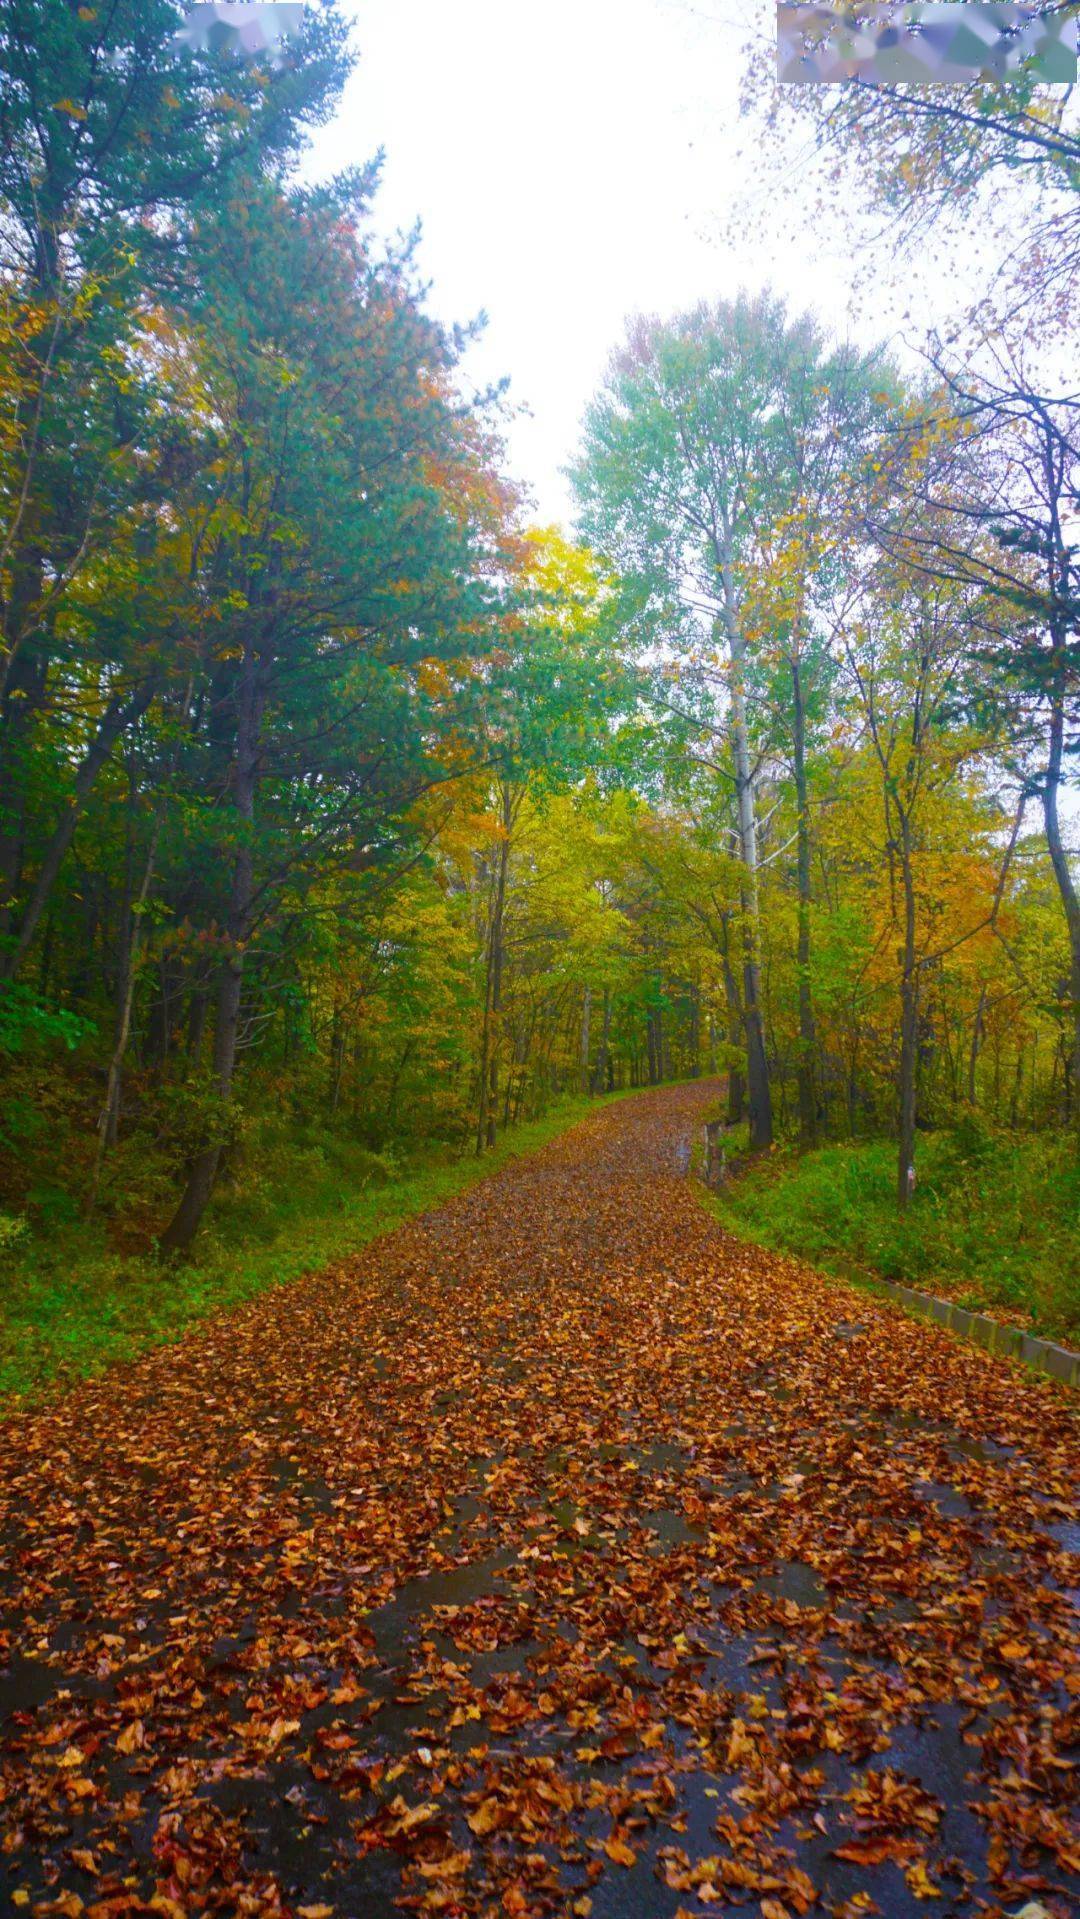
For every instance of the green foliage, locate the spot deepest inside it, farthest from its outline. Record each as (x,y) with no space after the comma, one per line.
(994,1222)
(188,1113)
(344,817)
(11,1232)
(27,1021)
(106,119)
(309,1196)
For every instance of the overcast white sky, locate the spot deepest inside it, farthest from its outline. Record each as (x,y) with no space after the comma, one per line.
(576,161)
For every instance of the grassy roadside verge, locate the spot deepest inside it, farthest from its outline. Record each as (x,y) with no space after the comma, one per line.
(994,1223)
(70,1304)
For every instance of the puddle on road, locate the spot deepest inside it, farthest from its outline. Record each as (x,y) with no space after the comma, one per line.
(634,1892)
(288,1475)
(951,1503)
(797,1582)
(304,1840)
(417,1599)
(1065,1534)
(963,1446)
(742,1663)
(26,1684)
(660,1456)
(908,1420)
(673,1529)
(741,1485)
(513,1658)
(897,1611)
(933,1753)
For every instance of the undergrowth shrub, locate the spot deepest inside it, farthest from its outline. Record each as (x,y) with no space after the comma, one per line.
(994,1221)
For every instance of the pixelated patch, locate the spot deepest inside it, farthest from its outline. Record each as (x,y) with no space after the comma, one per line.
(942,43)
(240,26)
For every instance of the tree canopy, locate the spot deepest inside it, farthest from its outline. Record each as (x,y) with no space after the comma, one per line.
(332,785)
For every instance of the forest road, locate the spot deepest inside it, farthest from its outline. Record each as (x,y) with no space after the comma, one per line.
(558,1554)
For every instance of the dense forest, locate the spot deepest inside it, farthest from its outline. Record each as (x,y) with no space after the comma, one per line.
(539,1035)
(347,815)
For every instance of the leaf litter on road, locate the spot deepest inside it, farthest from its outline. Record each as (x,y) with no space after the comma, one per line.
(558,1554)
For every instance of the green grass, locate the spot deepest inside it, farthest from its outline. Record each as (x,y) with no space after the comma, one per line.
(70,1303)
(994,1223)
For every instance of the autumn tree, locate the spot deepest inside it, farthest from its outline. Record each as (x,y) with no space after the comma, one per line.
(109,134)
(549,693)
(940,154)
(714,463)
(349,555)
(905,643)
(991,507)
